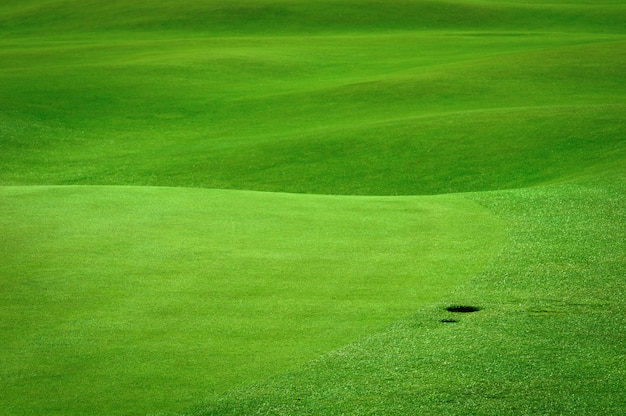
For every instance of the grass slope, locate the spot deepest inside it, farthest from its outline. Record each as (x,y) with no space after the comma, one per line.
(300,16)
(156,296)
(344,113)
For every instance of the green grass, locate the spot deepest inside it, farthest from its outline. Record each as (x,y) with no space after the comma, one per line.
(264,207)
(546,340)
(156,288)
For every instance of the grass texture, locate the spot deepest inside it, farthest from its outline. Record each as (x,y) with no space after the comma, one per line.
(147,291)
(545,342)
(264,207)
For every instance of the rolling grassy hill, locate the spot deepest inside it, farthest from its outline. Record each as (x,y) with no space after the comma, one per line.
(264,207)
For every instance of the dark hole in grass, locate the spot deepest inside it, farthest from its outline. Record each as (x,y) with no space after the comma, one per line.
(449,321)
(462,308)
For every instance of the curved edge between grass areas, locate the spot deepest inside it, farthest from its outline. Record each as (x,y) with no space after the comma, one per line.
(133,300)
(547,339)
(141,300)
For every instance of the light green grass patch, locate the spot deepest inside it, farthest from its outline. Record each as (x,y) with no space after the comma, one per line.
(135,300)
(545,342)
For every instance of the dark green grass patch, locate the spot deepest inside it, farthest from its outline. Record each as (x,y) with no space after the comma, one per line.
(316,115)
(223,17)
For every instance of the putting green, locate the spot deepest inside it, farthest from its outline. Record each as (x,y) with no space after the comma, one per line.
(157,297)
(130,285)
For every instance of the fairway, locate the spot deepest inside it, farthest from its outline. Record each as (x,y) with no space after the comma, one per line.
(265,207)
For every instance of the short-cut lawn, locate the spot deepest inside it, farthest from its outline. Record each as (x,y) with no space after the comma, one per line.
(211,207)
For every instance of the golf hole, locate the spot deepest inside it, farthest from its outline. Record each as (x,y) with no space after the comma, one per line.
(449,321)
(462,308)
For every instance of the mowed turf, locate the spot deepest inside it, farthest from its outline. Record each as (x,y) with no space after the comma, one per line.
(362,110)
(133,300)
(167,293)
(546,341)
(349,115)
